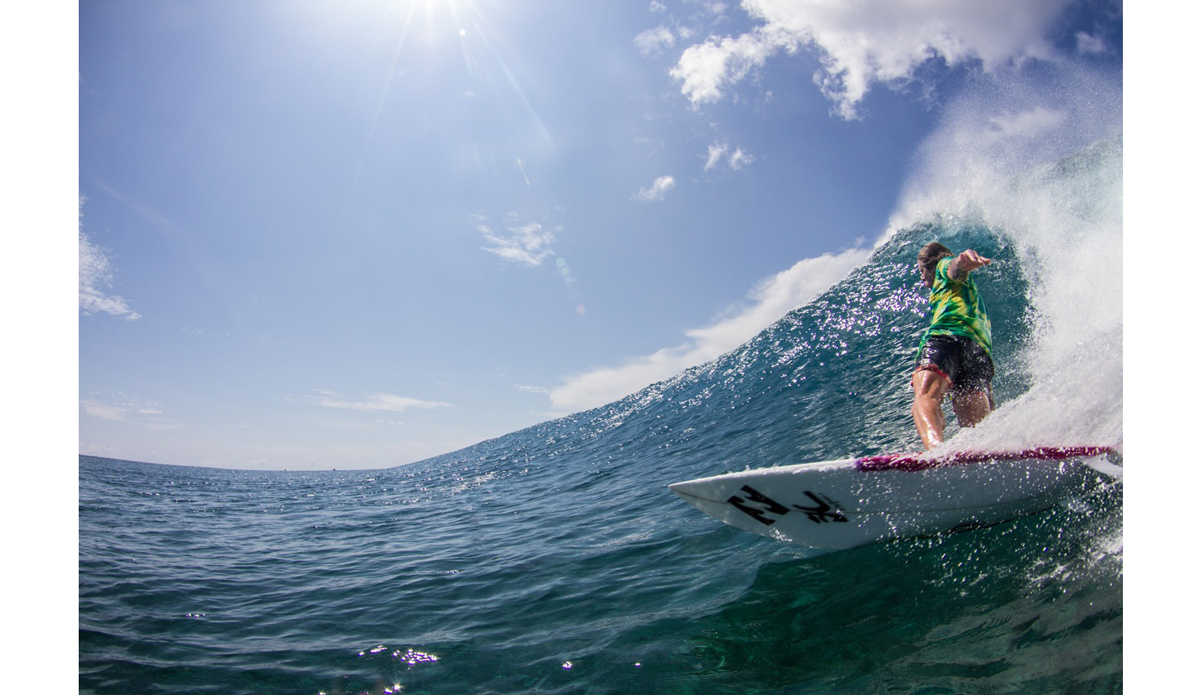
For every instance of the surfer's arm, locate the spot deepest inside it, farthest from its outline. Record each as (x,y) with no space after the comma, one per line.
(965,262)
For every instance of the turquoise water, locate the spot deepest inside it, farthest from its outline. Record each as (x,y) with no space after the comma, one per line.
(556,569)
(555,560)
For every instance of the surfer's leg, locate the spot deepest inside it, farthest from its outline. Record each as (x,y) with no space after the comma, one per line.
(929,388)
(970,407)
(972,395)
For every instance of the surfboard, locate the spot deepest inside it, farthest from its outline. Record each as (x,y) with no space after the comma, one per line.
(846,503)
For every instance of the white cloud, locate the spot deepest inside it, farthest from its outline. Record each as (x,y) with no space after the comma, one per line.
(771,299)
(105,411)
(128,410)
(715,152)
(739,159)
(374,402)
(95,276)
(864,43)
(526,243)
(736,160)
(657,190)
(653,42)
(707,67)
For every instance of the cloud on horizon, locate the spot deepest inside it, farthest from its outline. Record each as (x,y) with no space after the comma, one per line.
(771,299)
(864,44)
(129,410)
(373,403)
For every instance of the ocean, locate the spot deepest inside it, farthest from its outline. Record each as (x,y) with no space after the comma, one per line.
(555,560)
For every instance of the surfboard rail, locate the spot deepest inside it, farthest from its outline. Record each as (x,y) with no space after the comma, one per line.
(920,462)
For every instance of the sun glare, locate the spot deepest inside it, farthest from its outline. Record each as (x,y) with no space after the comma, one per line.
(427,19)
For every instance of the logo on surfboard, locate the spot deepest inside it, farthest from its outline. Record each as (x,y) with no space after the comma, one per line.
(761,507)
(823,511)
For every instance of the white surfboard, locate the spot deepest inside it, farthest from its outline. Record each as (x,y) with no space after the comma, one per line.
(851,502)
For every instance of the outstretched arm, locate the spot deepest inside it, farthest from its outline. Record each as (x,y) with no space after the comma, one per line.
(965,262)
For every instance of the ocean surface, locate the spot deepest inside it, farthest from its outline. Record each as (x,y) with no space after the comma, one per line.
(555,559)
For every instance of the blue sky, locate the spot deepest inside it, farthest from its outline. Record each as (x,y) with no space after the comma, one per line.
(361,233)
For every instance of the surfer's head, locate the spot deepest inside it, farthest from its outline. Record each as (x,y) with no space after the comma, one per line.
(927,260)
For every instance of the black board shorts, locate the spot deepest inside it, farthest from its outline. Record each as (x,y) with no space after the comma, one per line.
(964,363)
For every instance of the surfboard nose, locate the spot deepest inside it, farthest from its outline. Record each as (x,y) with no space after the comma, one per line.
(692,490)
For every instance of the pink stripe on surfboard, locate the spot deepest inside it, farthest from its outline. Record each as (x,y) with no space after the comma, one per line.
(920,462)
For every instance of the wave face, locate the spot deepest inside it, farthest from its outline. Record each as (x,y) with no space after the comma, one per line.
(555,560)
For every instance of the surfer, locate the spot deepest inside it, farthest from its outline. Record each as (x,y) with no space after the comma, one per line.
(955,353)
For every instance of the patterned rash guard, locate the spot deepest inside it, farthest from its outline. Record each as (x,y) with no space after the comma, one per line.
(958,309)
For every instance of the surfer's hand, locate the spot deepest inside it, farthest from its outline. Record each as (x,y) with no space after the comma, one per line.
(967,261)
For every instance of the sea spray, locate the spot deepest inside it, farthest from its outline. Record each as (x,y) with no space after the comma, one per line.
(1037,157)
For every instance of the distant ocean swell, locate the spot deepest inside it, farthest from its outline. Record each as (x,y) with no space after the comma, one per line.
(554,559)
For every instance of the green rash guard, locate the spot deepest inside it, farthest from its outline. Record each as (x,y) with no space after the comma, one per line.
(958,309)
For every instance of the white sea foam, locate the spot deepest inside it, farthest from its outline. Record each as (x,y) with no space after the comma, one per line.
(1040,160)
